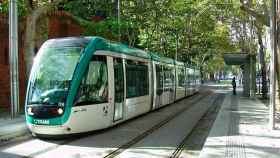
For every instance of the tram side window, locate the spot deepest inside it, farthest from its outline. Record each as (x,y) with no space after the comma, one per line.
(137,81)
(119,80)
(94,84)
(192,77)
(168,78)
(181,77)
(188,77)
(196,78)
(160,78)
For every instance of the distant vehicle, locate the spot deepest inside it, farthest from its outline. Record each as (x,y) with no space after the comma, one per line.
(88,83)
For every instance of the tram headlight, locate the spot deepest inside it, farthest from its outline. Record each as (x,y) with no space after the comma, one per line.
(29,111)
(59,111)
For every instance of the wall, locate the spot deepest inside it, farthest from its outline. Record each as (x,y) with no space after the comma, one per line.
(59,24)
(4,65)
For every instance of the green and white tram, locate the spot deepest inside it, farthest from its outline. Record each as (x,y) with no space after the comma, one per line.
(88,83)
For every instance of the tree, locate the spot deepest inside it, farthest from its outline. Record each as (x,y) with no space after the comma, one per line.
(261,16)
(199,32)
(35,12)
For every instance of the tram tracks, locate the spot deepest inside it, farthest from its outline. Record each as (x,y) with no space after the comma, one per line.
(154,128)
(182,146)
(134,140)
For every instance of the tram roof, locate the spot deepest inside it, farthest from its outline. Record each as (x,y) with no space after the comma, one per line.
(68,41)
(159,58)
(180,63)
(125,49)
(120,48)
(111,46)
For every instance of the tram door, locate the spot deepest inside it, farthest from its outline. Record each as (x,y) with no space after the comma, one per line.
(119,89)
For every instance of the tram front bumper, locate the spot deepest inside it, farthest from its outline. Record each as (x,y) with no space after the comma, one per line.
(48,130)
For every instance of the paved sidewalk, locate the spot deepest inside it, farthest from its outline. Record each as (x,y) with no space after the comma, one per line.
(10,129)
(241,130)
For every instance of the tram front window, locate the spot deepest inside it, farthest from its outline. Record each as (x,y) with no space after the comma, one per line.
(53,72)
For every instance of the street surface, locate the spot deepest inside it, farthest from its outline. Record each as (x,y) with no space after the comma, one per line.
(168,132)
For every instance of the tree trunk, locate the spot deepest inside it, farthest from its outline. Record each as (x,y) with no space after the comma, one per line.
(265,20)
(201,74)
(29,43)
(277,95)
(277,101)
(262,62)
(30,32)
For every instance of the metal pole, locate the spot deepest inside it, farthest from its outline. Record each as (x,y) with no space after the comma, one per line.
(272,67)
(176,53)
(259,78)
(13,57)
(119,20)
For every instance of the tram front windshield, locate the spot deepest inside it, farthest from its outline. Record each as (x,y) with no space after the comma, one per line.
(52,74)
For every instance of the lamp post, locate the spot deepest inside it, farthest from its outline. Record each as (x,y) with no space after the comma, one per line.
(13,57)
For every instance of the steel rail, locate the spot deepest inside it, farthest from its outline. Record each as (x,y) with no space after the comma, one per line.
(183,143)
(154,128)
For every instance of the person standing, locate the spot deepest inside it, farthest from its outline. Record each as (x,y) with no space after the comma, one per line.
(233,83)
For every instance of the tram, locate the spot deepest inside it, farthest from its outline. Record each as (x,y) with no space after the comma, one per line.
(82,84)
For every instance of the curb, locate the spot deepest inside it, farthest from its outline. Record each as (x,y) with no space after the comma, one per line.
(12,131)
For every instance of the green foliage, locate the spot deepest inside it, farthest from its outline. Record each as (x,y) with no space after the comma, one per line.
(87,9)
(198,31)
(194,29)
(215,65)
(4,7)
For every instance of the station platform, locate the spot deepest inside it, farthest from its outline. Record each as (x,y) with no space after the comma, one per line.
(241,130)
